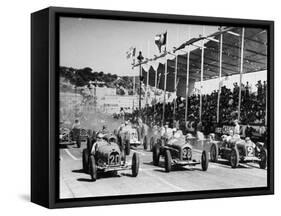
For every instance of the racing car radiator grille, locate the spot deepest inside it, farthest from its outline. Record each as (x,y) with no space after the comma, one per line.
(114,158)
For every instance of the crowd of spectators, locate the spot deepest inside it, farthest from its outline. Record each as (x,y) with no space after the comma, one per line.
(253,108)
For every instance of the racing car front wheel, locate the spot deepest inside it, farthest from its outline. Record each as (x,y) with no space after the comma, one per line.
(156,155)
(168,161)
(127,147)
(145,143)
(234,158)
(204,161)
(263,157)
(85,160)
(151,143)
(214,153)
(135,164)
(93,168)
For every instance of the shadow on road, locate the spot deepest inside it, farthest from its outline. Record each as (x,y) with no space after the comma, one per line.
(127,174)
(176,168)
(100,175)
(148,163)
(84,180)
(78,171)
(228,166)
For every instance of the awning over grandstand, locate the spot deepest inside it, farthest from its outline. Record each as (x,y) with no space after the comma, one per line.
(255,58)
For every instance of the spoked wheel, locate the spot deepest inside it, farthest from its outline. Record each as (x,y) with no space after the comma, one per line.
(151,143)
(78,143)
(156,155)
(214,153)
(145,143)
(135,164)
(89,143)
(263,157)
(123,156)
(85,160)
(204,161)
(168,161)
(234,158)
(93,168)
(127,147)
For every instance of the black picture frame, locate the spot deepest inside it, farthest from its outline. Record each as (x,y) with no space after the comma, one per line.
(45,100)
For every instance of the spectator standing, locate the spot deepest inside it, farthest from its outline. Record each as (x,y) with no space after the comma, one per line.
(236,127)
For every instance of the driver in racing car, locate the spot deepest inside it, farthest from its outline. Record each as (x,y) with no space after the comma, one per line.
(168,132)
(100,141)
(231,138)
(104,130)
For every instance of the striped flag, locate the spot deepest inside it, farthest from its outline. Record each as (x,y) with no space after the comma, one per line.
(131,52)
(161,40)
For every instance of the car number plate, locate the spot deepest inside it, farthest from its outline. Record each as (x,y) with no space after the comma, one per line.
(250,151)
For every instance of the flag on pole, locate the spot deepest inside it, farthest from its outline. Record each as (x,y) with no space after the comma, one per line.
(161,40)
(131,52)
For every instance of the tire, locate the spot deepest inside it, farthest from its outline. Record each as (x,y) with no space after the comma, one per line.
(89,144)
(90,133)
(85,160)
(168,161)
(145,143)
(234,158)
(78,143)
(93,168)
(135,164)
(123,156)
(204,161)
(151,143)
(156,155)
(214,153)
(263,157)
(127,147)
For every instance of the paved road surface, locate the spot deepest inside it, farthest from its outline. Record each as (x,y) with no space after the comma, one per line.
(74,183)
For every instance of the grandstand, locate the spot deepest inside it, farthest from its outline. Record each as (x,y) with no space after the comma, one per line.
(221,55)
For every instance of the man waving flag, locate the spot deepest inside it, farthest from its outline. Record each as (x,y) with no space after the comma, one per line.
(161,40)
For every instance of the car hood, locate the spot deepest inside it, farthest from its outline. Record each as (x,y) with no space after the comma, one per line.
(104,149)
(178,142)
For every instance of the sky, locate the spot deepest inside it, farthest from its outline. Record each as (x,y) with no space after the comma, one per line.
(102,44)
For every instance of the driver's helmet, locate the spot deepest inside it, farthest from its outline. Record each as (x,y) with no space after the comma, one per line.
(212,136)
(177,134)
(236,136)
(231,133)
(189,136)
(100,136)
(224,137)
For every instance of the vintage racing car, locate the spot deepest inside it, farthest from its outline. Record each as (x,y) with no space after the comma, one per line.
(237,150)
(131,136)
(65,137)
(107,156)
(155,136)
(177,151)
(71,137)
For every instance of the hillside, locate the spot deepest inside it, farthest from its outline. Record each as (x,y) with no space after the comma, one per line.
(85,76)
